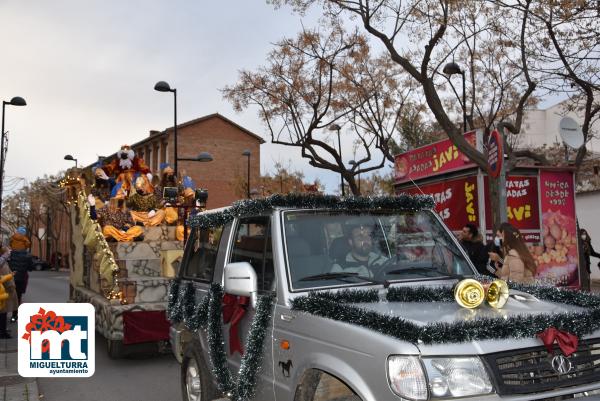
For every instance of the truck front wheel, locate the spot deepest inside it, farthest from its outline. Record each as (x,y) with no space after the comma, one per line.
(196,378)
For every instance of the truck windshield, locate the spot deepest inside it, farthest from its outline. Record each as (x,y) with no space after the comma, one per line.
(327,249)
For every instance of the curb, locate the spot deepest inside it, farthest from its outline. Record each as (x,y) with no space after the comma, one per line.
(14,387)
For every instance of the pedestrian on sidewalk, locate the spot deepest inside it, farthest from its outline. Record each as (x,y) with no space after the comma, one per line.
(20,263)
(11,303)
(496,255)
(519,265)
(588,249)
(472,242)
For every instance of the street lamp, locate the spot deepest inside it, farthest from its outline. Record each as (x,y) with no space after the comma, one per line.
(247,153)
(336,127)
(69,157)
(355,164)
(202,157)
(162,86)
(15,101)
(452,69)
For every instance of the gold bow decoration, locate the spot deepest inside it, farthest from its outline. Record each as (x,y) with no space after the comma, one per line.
(470,293)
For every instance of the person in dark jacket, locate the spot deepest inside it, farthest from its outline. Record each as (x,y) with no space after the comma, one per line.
(588,249)
(470,240)
(20,263)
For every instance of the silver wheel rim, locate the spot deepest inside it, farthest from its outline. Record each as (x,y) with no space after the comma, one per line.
(192,381)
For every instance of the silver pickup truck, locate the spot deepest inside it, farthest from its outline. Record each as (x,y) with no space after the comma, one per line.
(351,300)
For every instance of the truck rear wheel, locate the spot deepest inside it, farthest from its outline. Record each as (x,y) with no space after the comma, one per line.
(196,377)
(114,348)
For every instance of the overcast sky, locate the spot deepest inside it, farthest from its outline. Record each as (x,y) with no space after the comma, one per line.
(87,71)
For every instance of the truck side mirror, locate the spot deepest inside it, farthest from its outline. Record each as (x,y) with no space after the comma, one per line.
(240,279)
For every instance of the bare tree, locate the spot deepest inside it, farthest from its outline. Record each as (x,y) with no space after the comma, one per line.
(421,36)
(38,205)
(322,80)
(565,43)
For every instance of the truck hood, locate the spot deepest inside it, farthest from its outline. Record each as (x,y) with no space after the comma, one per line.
(423,313)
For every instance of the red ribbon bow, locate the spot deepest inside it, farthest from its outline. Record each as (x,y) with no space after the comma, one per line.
(567,342)
(234,309)
(44,321)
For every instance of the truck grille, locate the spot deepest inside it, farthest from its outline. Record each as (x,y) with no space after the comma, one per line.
(530,370)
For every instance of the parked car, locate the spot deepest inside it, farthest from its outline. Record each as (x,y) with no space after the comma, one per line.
(39,264)
(337,332)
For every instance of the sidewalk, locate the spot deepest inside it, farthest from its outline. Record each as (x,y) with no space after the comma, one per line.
(12,386)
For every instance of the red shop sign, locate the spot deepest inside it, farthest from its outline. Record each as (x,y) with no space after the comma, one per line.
(521,203)
(495,153)
(557,259)
(439,157)
(456,200)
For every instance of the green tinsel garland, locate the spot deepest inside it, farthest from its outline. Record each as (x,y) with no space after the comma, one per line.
(174,311)
(250,207)
(208,314)
(332,306)
(216,344)
(251,361)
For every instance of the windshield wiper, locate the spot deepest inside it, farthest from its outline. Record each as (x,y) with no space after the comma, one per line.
(417,270)
(341,276)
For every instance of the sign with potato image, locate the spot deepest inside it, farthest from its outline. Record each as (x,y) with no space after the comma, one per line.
(557,256)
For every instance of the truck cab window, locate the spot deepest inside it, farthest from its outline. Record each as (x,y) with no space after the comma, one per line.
(253,245)
(201,254)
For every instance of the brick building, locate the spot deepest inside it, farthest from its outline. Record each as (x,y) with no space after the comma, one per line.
(223,139)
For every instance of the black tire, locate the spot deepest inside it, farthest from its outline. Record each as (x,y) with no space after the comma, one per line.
(196,377)
(114,348)
(38,267)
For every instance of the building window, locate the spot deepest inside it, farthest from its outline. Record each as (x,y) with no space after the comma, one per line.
(155,158)
(149,160)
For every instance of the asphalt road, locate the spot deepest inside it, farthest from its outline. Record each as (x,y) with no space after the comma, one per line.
(149,379)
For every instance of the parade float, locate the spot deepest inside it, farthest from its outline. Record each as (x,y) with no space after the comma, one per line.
(124,273)
(540,202)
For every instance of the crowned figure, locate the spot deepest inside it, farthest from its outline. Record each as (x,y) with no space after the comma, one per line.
(124,167)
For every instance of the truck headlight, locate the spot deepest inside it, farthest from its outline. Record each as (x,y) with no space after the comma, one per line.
(457,377)
(406,377)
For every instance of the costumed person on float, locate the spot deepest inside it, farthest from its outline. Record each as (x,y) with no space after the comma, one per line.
(145,207)
(115,219)
(102,185)
(168,180)
(124,167)
(188,203)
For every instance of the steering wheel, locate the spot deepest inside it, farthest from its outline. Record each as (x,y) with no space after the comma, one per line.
(380,271)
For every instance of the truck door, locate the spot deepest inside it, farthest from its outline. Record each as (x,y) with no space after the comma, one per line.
(203,258)
(252,243)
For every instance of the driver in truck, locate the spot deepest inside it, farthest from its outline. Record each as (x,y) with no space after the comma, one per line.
(361,258)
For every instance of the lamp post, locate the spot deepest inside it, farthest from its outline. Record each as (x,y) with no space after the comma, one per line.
(451,69)
(502,202)
(15,101)
(69,157)
(247,153)
(355,164)
(336,127)
(162,86)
